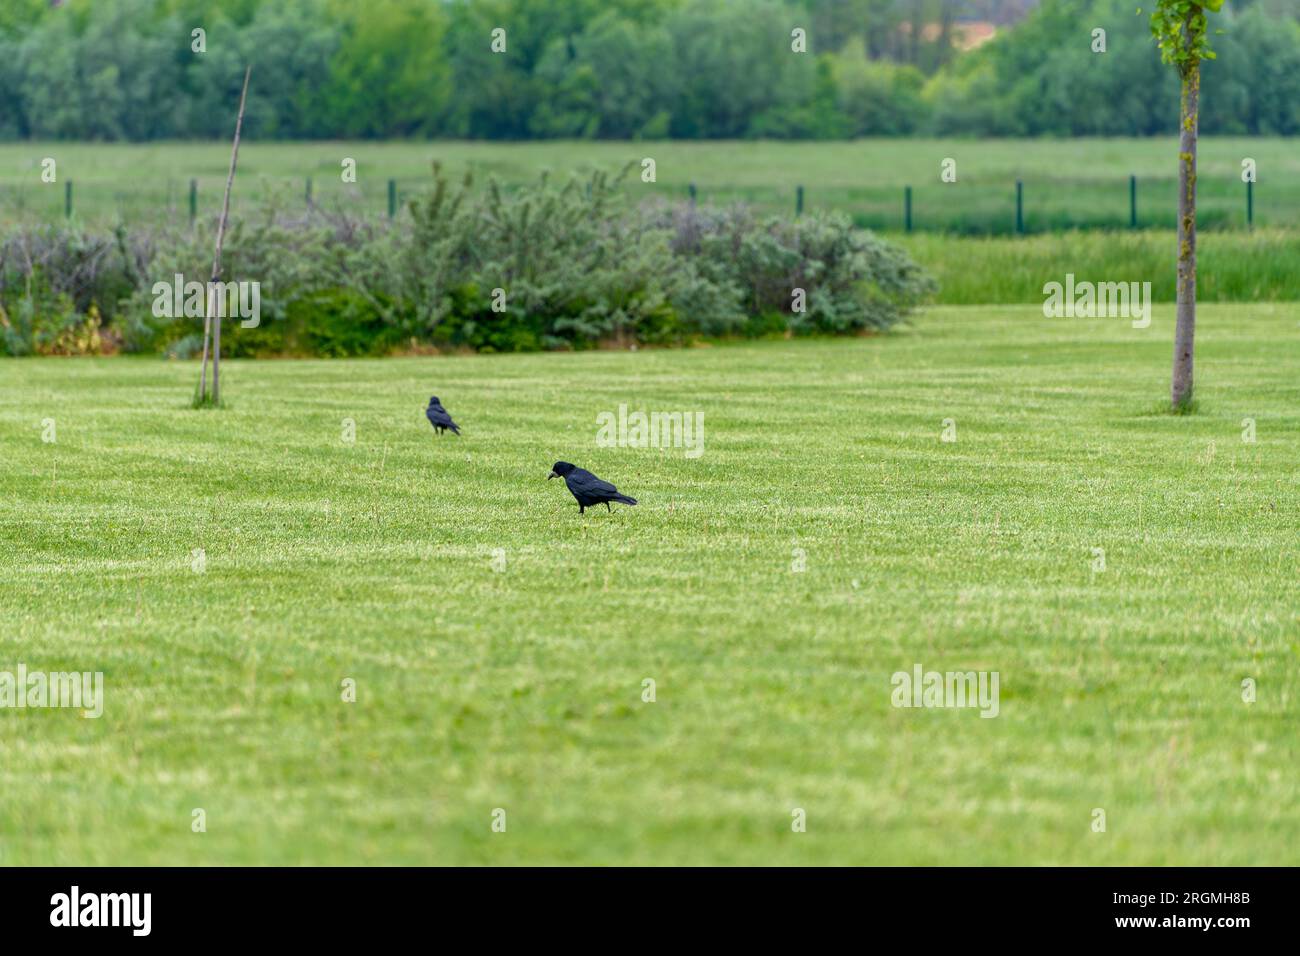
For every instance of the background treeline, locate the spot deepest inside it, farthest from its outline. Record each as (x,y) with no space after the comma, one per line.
(620,69)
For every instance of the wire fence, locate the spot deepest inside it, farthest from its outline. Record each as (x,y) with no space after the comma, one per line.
(969,208)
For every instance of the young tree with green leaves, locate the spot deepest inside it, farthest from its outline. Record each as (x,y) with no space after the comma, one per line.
(1180,28)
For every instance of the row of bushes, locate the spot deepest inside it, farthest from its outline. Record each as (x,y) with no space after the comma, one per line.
(552,266)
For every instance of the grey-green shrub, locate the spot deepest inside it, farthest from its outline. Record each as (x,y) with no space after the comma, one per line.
(578,264)
(852,280)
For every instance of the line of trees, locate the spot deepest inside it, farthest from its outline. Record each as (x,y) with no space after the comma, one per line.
(619,69)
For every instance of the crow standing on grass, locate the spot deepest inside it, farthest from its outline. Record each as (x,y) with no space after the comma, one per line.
(586,487)
(438,416)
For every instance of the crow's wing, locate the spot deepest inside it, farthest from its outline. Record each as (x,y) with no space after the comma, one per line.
(438,416)
(583,482)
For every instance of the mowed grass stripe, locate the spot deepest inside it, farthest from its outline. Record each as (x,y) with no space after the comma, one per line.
(522,690)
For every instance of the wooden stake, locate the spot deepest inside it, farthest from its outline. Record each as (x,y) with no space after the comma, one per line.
(211,323)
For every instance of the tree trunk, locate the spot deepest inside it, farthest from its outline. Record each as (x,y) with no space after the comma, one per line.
(946,14)
(914,34)
(1185,331)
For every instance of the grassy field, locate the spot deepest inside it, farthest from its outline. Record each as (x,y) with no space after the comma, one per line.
(1068,183)
(521,689)
(1258,266)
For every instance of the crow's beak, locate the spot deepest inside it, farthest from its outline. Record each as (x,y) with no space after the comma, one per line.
(552,475)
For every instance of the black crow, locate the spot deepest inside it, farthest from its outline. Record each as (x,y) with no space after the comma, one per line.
(438,416)
(586,487)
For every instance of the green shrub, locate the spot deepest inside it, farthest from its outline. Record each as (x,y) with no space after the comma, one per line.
(567,266)
(851,279)
(56,284)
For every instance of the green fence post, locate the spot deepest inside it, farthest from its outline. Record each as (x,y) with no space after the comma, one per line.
(67,199)
(308,190)
(691,188)
(1020,207)
(1250,204)
(798,201)
(392,198)
(194,200)
(907,208)
(1132,202)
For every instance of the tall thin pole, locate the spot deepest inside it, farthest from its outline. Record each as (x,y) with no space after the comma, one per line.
(210,320)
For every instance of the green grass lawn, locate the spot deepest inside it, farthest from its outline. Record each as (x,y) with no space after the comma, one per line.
(1068,183)
(522,690)
(1258,266)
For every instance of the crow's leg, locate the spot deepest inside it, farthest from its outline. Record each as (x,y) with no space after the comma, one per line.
(582,509)
(608,508)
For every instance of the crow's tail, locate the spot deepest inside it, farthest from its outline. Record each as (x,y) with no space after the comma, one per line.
(625,499)
(455,428)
